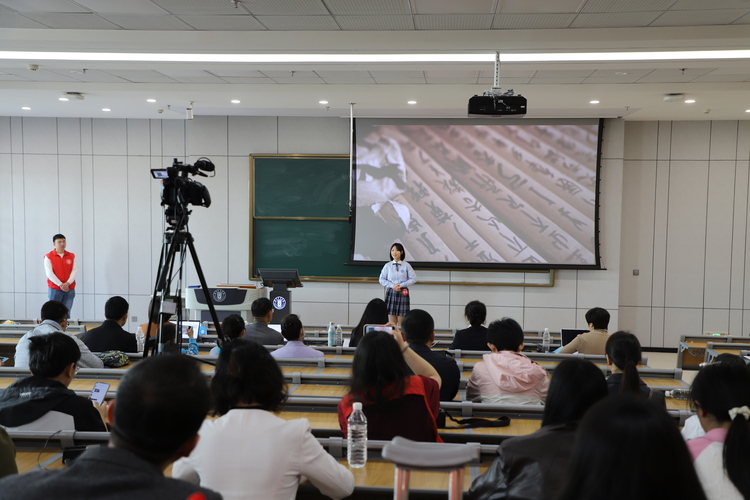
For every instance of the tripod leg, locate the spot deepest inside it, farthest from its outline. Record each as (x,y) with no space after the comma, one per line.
(209,300)
(166,263)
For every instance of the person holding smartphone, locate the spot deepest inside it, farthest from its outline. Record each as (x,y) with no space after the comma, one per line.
(397,276)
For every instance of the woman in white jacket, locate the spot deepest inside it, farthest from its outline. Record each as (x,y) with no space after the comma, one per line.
(249,452)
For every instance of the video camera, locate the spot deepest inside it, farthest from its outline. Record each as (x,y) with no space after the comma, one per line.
(178,191)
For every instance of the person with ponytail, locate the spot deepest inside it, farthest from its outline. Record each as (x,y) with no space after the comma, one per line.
(623,353)
(721,396)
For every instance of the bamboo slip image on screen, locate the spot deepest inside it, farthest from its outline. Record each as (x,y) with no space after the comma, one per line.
(469,191)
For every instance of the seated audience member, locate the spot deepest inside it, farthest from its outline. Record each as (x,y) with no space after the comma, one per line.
(55,319)
(630,449)
(233,328)
(721,395)
(169,344)
(259,331)
(692,428)
(7,455)
(505,375)
(248,452)
(623,353)
(291,329)
(418,328)
(376,313)
(593,341)
(395,402)
(533,467)
(161,403)
(52,360)
(473,338)
(110,336)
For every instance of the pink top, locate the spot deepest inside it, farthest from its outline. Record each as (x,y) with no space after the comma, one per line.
(697,445)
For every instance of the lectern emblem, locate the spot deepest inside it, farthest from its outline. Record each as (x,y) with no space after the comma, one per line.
(219,295)
(279,303)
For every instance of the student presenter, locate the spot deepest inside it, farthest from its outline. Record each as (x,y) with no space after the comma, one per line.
(396,276)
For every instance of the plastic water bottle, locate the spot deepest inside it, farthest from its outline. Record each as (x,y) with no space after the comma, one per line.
(331,335)
(356,440)
(679,394)
(546,340)
(140,338)
(339,336)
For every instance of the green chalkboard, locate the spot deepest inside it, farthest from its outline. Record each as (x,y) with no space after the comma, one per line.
(297,186)
(300,217)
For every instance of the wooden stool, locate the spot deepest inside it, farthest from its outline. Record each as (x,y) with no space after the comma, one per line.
(408,455)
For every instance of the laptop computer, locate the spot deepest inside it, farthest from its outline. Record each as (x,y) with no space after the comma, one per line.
(568,334)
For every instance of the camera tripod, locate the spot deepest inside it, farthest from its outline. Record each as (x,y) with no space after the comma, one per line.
(176,240)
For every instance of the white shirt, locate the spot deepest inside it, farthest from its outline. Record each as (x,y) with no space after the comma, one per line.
(53,277)
(253,454)
(397,273)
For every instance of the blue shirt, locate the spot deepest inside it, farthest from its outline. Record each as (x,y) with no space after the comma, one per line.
(296,349)
(397,273)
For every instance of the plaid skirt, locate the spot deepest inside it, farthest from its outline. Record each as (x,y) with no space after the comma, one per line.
(396,302)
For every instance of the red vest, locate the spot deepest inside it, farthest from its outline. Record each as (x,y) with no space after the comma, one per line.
(62,266)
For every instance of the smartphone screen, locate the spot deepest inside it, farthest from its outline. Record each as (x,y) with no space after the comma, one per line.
(99,391)
(4,359)
(378,328)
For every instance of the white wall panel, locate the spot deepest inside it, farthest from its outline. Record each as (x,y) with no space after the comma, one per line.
(6,223)
(16,135)
(109,137)
(507,296)
(739,234)
(614,131)
(690,140)
(86,255)
(110,224)
(661,213)
(8,304)
(155,142)
(238,219)
(743,140)
(317,292)
(33,305)
(87,136)
(39,136)
(664,141)
(493,313)
(173,140)
(716,320)
(718,270)
(735,322)
(724,140)
(657,327)
(252,135)
(539,318)
(71,222)
(562,295)
(69,136)
(681,321)
(320,313)
(4,134)
(138,137)
(641,139)
(140,242)
(207,136)
(637,234)
(686,234)
(41,214)
(636,320)
(423,295)
(306,135)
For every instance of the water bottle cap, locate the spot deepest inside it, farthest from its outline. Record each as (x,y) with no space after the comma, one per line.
(357,406)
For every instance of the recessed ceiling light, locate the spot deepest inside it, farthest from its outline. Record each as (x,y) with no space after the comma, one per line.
(150,100)
(64,99)
(106,109)
(235,101)
(411,102)
(322,102)
(621,73)
(689,101)
(593,102)
(26,108)
(747,111)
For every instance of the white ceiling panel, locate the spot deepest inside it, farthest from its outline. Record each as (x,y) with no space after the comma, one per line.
(42,6)
(398,79)
(397,74)
(532,21)
(560,80)
(504,82)
(507,72)
(627,5)
(141,76)
(41,75)
(6,77)
(299,23)
(563,73)
(540,6)
(147,22)
(283,74)
(735,69)
(453,22)
(348,80)
(667,79)
(720,78)
(709,4)
(209,7)
(453,7)
(363,7)
(375,23)
(743,20)
(699,17)
(298,80)
(285,7)
(451,74)
(243,80)
(73,21)
(138,7)
(342,74)
(237,73)
(224,23)
(452,80)
(10,19)
(673,72)
(90,75)
(614,19)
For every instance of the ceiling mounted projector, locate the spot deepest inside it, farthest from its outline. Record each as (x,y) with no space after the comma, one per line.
(674,97)
(495,102)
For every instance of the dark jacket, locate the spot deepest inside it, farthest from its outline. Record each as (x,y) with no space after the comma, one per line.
(30,398)
(614,381)
(110,337)
(446,368)
(102,473)
(473,338)
(529,467)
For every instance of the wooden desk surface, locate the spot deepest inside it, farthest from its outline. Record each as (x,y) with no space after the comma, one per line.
(26,459)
